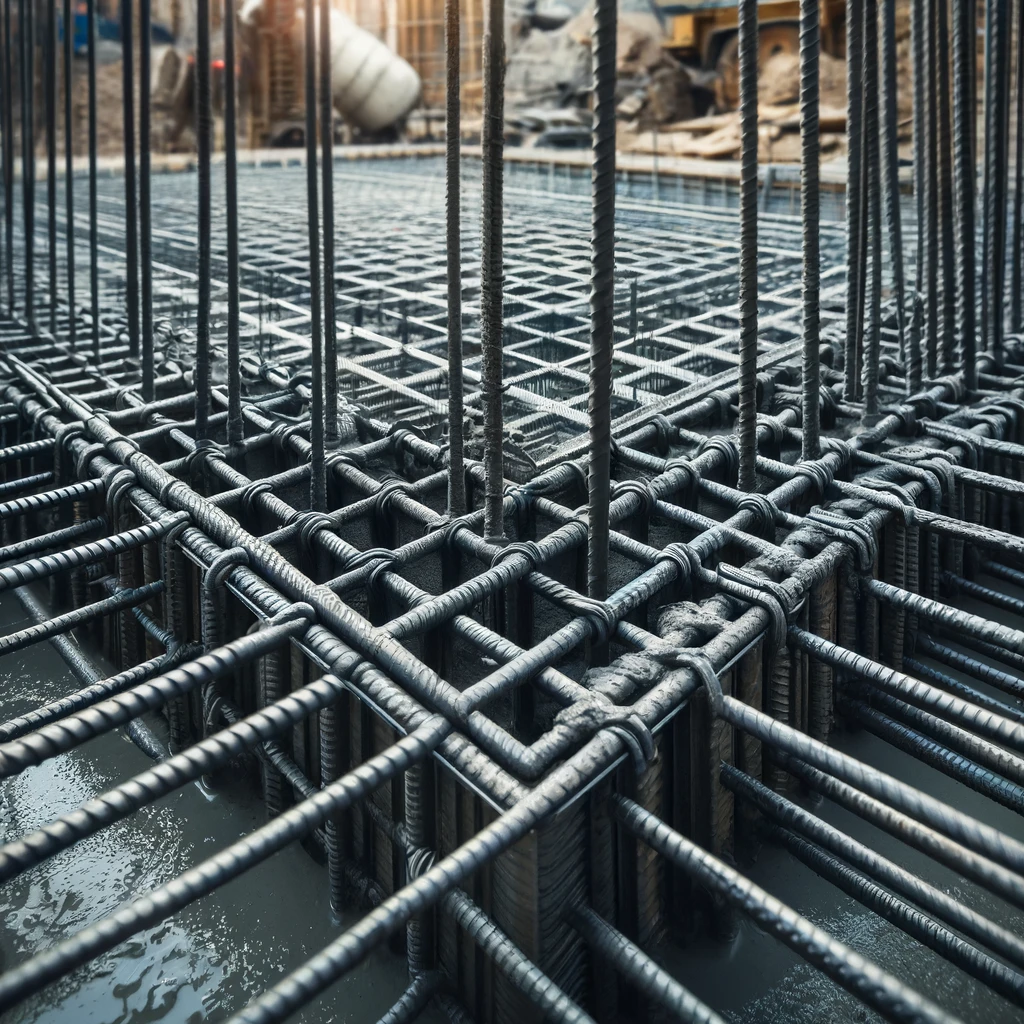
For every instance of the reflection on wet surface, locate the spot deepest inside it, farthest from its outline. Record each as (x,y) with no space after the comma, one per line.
(209,960)
(757,980)
(205,962)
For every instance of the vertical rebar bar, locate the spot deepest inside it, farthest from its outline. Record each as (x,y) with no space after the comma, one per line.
(940,84)
(915,356)
(995,177)
(986,172)
(655,185)
(964,33)
(235,428)
(1018,183)
(69,168)
(931,190)
(747,425)
(8,156)
(491,266)
(860,298)
(203,142)
(327,187)
(131,224)
(872,327)
(854,256)
(50,114)
(972,20)
(602,296)
(891,170)
(94,272)
(1003,177)
(419,944)
(810,48)
(317,479)
(26,38)
(453,254)
(333,762)
(145,219)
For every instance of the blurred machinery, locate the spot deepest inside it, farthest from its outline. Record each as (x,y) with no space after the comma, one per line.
(374,89)
(705,34)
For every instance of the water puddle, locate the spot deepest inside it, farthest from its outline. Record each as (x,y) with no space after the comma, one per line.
(207,961)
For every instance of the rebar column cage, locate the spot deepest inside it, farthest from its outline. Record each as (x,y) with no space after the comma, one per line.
(533,773)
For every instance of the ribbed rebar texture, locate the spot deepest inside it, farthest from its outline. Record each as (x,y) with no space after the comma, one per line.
(235,427)
(810,149)
(916,355)
(1016,222)
(94,286)
(50,119)
(326,69)
(930,157)
(747,420)
(492,267)
(131,224)
(602,296)
(453,260)
(876,987)
(873,247)
(64,957)
(26,39)
(317,477)
(204,141)
(875,865)
(995,171)
(891,171)
(947,347)
(148,388)
(68,66)
(649,978)
(964,181)
(7,128)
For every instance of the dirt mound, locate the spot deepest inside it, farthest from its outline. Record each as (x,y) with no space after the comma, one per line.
(779,82)
(553,68)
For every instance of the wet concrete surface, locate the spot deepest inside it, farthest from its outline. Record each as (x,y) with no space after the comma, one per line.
(757,980)
(202,964)
(208,961)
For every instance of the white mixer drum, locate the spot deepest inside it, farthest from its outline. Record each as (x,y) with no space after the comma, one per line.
(373,87)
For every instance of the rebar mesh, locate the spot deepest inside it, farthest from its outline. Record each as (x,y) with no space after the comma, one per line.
(530,766)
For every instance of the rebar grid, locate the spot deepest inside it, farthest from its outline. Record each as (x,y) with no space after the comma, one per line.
(496,747)
(676,338)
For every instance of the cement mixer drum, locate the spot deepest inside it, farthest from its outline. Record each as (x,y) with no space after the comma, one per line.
(372,86)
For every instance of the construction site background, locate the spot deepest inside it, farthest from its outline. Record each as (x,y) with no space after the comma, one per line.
(665,107)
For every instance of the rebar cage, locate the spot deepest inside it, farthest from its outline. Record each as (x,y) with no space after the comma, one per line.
(532,584)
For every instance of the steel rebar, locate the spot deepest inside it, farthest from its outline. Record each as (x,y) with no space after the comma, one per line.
(602,296)
(491,266)
(810,48)
(747,420)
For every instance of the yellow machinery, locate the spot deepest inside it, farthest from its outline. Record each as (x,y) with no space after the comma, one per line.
(704,34)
